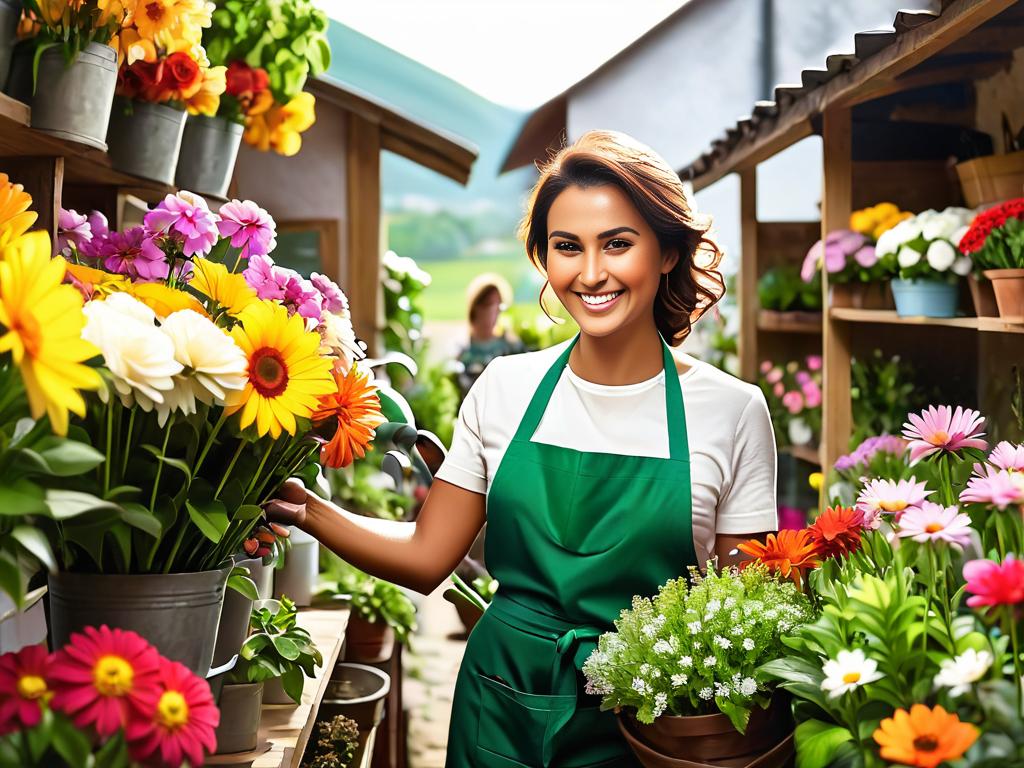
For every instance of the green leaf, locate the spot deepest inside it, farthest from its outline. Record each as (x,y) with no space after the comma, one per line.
(285,646)
(65,505)
(817,742)
(178,464)
(71,743)
(242,584)
(248,512)
(10,579)
(68,457)
(211,519)
(36,544)
(21,497)
(138,516)
(292,681)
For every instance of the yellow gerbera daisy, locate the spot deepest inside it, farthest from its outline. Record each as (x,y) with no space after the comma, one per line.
(153,17)
(228,289)
(15,218)
(94,283)
(287,376)
(164,300)
(42,323)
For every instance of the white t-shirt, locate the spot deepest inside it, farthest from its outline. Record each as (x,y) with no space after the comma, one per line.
(732,446)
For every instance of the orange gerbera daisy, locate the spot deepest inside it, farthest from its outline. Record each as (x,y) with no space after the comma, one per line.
(791,553)
(355,409)
(924,737)
(837,531)
(15,216)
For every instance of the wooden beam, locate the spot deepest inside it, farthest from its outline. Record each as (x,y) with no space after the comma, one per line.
(836,206)
(747,284)
(43,178)
(771,136)
(362,170)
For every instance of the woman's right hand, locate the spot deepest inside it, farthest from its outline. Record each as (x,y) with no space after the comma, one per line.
(288,506)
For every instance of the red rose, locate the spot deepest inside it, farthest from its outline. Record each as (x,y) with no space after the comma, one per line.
(181,74)
(138,79)
(244,82)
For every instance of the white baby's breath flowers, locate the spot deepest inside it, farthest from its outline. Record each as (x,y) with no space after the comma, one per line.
(848,671)
(959,673)
(649,630)
(694,626)
(723,642)
(663,647)
(660,703)
(710,661)
(679,679)
(706,693)
(685,662)
(748,686)
(641,686)
(748,644)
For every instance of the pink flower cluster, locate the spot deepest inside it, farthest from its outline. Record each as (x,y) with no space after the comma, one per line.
(307,298)
(835,253)
(807,392)
(999,482)
(864,452)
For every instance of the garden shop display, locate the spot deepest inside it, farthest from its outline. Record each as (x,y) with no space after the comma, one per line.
(781,289)
(995,241)
(793,392)
(106,699)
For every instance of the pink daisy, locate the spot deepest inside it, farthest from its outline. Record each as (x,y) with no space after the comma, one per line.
(995,487)
(993,583)
(23,688)
(894,497)
(250,227)
(334,299)
(943,429)
(73,231)
(133,253)
(1007,456)
(933,522)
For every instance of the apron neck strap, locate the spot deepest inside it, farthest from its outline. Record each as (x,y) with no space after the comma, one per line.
(676,416)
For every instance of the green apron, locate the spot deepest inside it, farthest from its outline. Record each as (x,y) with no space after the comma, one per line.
(571,537)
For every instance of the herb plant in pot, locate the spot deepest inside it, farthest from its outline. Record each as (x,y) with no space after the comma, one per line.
(680,669)
(928,266)
(995,240)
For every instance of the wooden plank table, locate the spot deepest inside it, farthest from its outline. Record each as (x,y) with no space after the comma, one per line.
(285,730)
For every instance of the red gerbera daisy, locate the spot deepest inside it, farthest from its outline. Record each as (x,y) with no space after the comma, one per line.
(837,531)
(176,720)
(98,673)
(23,688)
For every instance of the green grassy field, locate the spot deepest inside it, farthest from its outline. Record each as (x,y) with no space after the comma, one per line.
(445,297)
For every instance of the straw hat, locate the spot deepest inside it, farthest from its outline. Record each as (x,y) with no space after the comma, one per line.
(482,283)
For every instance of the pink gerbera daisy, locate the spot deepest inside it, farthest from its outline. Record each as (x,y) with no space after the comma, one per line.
(993,583)
(98,672)
(943,429)
(176,720)
(996,487)
(893,497)
(933,522)
(1007,456)
(23,688)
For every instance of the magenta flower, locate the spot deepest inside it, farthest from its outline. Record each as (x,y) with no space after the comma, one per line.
(185,218)
(779,389)
(812,394)
(1007,456)
(793,402)
(814,362)
(98,224)
(791,518)
(932,522)
(894,497)
(286,285)
(265,278)
(73,230)
(134,254)
(943,429)
(334,299)
(866,256)
(250,227)
(995,583)
(995,487)
(301,295)
(864,452)
(766,365)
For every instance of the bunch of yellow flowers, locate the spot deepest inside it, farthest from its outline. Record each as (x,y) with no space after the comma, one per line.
(872,222)
(270,125)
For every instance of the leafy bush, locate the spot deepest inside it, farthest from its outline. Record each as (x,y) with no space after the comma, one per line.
(781,289)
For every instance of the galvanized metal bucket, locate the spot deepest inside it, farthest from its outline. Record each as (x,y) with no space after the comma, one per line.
(73,102)
(209,149)
(144,139)
(10,12)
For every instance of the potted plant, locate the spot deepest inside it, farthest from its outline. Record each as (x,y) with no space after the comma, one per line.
(358,692)
(781,289)
(336,745)
(107,699)
(74,69)
(680,668)
(927,265)
(995,240)
(794,397)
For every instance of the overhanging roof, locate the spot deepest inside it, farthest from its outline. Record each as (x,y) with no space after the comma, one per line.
(432,147)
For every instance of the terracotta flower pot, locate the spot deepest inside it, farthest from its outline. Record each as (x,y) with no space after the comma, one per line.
(984,297)
(861,295)
(711,739)
(1009,288)
(368,641)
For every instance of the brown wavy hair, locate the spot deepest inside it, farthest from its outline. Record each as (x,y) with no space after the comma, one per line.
(607,157)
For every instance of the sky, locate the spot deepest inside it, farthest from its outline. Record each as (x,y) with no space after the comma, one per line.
(518,53)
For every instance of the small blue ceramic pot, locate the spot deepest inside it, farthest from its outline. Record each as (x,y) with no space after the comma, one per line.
(925,298)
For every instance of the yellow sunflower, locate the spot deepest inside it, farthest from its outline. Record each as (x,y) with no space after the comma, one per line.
(154,17)
(41,322)
(15,218)
(228,289)
(287,376)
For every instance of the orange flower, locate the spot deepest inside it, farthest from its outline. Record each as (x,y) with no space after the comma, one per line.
(356,409)
(788,552)
(924,737)
(837,531)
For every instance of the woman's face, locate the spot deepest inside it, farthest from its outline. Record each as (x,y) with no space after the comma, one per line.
(487,309)
(604,262)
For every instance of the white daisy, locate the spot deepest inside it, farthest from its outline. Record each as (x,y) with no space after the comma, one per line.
(849,670)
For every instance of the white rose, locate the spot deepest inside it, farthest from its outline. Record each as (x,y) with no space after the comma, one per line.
(940,226)
(941,255)
(907,257)
(958,235)
(963,266)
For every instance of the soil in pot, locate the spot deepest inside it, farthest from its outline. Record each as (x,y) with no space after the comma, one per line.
(239,706)
(367,642)
(1008,285)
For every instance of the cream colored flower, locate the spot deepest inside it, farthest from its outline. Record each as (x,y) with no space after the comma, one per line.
(340,338)
(960,672)
(849,670)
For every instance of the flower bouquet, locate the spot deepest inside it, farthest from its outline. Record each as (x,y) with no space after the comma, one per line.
(794,400)
(995,241)
(107,698)
(927,263)
(680,669)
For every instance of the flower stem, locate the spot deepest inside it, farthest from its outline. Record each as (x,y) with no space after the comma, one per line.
(209,442)
(177,545)
(106,464)
(931,597)
(128,443)
(259,469)
(1017,671)
(231,466)
(160,464)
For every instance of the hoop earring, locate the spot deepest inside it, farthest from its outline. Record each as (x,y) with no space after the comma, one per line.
(544,309)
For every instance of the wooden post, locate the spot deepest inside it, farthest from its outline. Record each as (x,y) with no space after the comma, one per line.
(747,288)
(363,226)
(43,178)
(836,206)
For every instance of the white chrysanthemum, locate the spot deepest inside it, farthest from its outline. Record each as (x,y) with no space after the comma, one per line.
(940,255)
(849,670)
(685,662)
(723,642)
(213,364)
(706,693)
(907,257)
(139,356)
(710,661)
(959,673)
(748,686)
(962,266)
(891,240)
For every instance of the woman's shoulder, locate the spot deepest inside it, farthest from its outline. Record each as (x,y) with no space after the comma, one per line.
(702,381)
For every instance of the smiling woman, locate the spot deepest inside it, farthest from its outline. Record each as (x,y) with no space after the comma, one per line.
(604,466)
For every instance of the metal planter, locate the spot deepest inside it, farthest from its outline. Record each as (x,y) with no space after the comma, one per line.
(74,102)
(239,705)
(176,612)
(209,149)
(10,12)
(145,138)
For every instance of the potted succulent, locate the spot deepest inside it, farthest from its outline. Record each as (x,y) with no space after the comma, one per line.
(358,692)
(927,265)
(680,668)
(995,240)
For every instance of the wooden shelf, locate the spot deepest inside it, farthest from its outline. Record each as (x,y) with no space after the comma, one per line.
(789,322)
(889,317)
(804,453)
(285,730)
(82,164)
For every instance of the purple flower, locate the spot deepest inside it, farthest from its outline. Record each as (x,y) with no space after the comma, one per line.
(286,285)
(250,228)
(73,231)
(791,518)
(99,225)
(334,299)
(866,256)
(812,261)
(301,295)
(264,278)
(187,219)
(133,253)
(864,452)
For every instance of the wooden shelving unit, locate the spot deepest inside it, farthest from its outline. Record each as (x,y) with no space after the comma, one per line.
(789,322)
(805,453)
(889,317)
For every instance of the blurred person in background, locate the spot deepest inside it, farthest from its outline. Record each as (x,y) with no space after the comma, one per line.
(488,296)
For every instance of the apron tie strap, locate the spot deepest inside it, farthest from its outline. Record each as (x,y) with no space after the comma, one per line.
(563,680)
